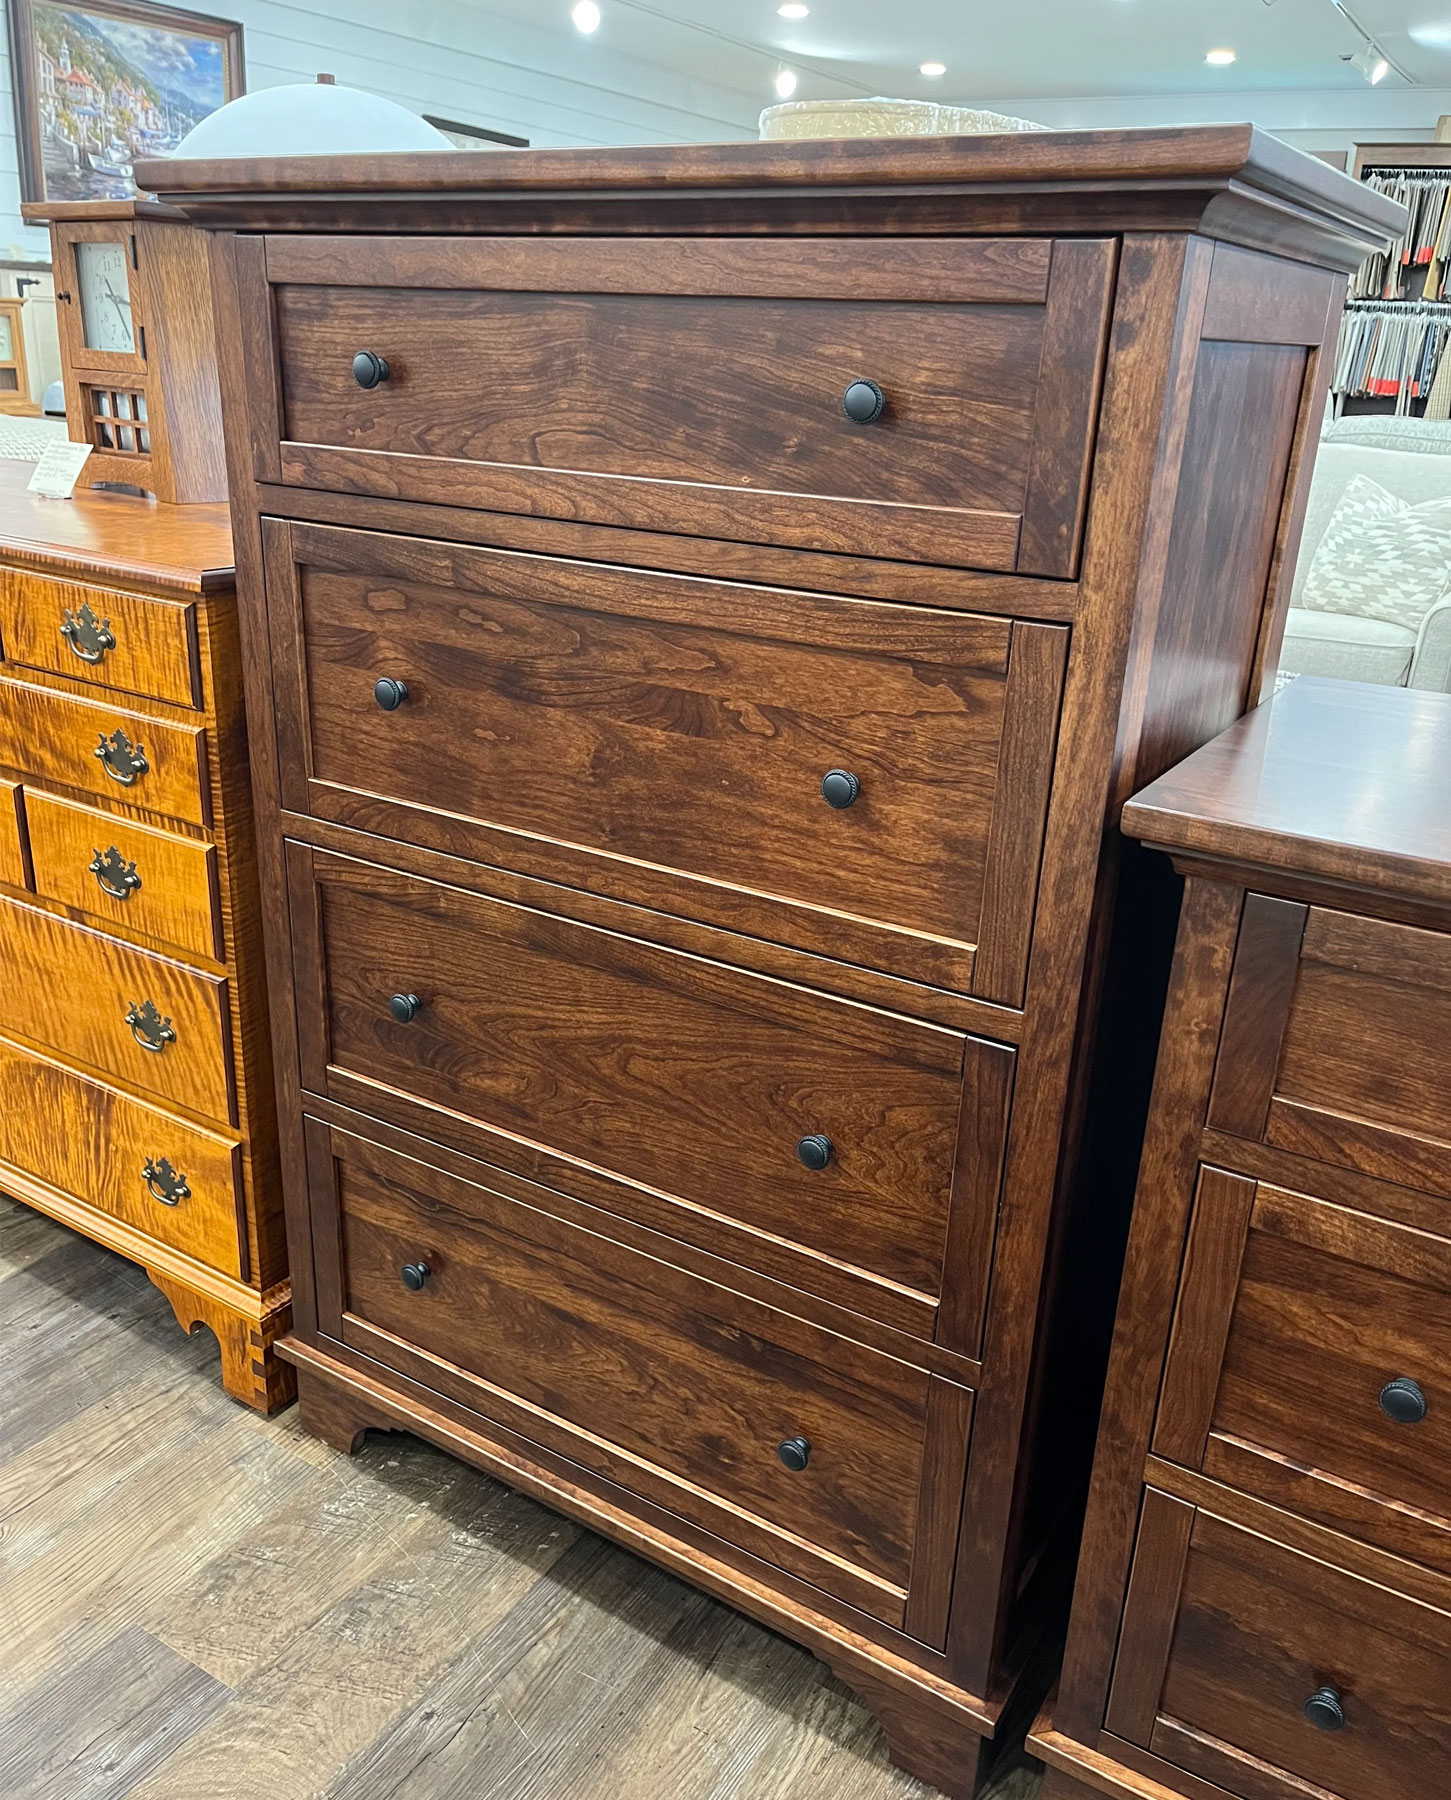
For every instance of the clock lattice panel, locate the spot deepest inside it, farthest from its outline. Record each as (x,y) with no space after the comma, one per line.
(116,420)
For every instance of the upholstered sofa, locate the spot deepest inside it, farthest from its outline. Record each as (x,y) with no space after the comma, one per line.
(1412,460)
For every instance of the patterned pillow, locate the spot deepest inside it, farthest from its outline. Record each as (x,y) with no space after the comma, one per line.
(1380,558)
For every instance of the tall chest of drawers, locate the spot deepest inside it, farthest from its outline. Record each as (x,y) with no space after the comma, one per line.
(1264,1603)
(136,1092)
(702,607)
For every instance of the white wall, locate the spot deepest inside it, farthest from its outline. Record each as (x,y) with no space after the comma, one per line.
(539,84)
(460,60)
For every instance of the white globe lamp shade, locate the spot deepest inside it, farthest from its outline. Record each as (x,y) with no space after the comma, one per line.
(308,119)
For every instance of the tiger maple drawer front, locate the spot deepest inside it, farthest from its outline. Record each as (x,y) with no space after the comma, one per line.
(1334,1042)
(934,406)
(132,643)
(779,1436)
(1278,1670)
(844,759)
(12,835)
(124,873)
(140,1017)
(1329,1349)
(104,750)
(168,1179)
(826,1125)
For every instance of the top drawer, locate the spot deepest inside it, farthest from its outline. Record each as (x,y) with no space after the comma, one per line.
(701,387)
(1335,1042)
(130,643)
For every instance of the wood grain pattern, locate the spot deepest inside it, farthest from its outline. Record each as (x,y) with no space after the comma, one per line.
(1256,1014)
(1338,780)
(13,866)
(91,1141)
(1152,1607)
(55,736)
(538,1028)
(115,538)
(1262,1628)
(155,652)
(71,989)
(176,904)
(591,707)
(1365,1043)
(646,1358)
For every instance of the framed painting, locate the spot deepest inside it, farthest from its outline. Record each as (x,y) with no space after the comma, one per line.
(101,83)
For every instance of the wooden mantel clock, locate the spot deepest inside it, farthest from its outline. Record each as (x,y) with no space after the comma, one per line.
(138,350)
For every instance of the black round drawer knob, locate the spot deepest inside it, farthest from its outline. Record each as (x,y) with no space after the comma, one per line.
(1324,1710)
(1404,1401)
(369,369)
(815,1150)
(390,694)
(795,1453)
(863,402)
(405,1007)
(415,1274)
(839,788)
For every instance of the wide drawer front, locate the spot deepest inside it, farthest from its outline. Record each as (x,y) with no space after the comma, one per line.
(936,403)
(12,835)
(1334,1042)
(1314,1336)
(176,1183)
(846,763)
(124,873)
(133,643)
(152,1023)
(104,750)
(781,1437)
(1281,1675)
(827,1126)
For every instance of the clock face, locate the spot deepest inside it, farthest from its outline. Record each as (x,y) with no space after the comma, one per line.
(7,344)
(105,291)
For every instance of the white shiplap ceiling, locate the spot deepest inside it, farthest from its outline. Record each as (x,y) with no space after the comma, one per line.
(998,49)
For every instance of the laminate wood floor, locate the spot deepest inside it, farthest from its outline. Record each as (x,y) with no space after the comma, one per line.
(198,1604)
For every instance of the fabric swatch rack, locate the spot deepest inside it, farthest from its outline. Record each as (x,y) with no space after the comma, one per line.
(1391,351)
(1416,266)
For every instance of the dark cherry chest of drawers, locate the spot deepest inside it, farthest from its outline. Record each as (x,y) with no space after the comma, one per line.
(703,609)
(1269,1536)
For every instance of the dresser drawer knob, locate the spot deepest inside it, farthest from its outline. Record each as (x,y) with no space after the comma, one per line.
(795,1452)
(114,875)
(122,760)
(89,637)
(839,788)
(1325,1710)
(390,694)
(164,1183)
(814,1150)
(369,369)
(863,402)
(148,1027)
(1404,1401)
(405,1008)
(414,1275)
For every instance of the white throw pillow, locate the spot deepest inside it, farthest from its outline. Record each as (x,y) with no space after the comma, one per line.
(1380,558)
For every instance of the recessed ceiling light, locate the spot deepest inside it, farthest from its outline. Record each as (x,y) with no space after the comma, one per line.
(1220,59)
(793,9)
(586,16)
(786,83)
(934,69)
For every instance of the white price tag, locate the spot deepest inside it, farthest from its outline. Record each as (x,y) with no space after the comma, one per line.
(58,470)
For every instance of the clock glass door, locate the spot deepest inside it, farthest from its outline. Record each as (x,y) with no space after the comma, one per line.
(105,296)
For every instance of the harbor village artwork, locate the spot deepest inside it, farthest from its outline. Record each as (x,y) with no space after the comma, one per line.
(101,85)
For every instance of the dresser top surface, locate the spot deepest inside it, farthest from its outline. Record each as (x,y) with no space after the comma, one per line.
(1021,181)
(1336,779)
(109,537)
